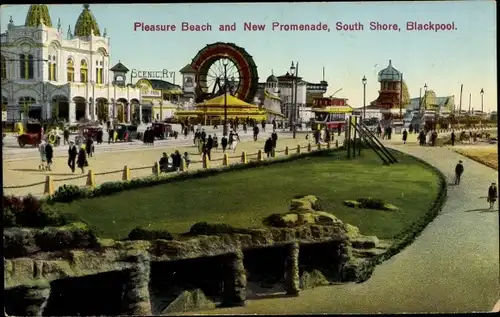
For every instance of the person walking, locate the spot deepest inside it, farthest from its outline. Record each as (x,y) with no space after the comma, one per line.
(492,194)
(453,138)
(223,143)
(459,170)
(274,137)
(49,154)
(66,136)
(82,159)
(43,156)
(89,144)
(255,132)
(72,153)
(268,147)
(405,136)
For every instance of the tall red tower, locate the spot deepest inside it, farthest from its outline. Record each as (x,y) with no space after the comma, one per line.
(390,90)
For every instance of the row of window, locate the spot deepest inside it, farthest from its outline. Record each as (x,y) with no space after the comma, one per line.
(27,69)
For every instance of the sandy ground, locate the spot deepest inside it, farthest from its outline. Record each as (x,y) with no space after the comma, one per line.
(486,154)
(140,161)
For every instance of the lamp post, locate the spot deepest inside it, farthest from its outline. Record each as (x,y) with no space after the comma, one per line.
(224,129)
(92,105)
(292,104)
(364,97)
(482,104)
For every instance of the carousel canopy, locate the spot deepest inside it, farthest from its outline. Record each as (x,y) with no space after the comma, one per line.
(231,101)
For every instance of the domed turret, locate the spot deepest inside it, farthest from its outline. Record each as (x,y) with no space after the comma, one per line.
(38,13)
(86,23)
(272,79)
(389,74)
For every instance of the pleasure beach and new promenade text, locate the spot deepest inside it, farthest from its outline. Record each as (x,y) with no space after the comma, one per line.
(428,26)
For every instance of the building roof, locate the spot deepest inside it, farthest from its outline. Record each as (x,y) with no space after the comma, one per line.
(119,68)
(389,73)
(38,13)
(86,23)
(163,85)
(272,79)
(188,69)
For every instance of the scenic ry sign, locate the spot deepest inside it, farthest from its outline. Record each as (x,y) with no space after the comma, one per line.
(152,74)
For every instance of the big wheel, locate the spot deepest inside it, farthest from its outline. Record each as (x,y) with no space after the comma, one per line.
(240,72)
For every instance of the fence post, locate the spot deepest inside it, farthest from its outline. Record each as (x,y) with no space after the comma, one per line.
(126,173)
(225,160)
(309,147)
(49,185)
(244,157)
(319,146)
(298,149)
(206,162)
(328,145)
(286,150)
(183,165)
(259,156)
(336,143)
(91,179)
(156,169)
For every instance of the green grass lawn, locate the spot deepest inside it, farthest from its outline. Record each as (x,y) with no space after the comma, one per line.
(244,198)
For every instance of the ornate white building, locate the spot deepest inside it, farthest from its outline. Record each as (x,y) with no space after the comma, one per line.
(48,74)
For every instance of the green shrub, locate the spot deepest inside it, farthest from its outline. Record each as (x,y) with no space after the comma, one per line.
(70,237)
(29,212)
(149,234)
(67,193)
(371,203)
(9,219)
(204,228)
(18,242)
(274,220)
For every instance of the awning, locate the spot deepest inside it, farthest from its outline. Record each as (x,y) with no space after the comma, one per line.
(334,109)
(230,101)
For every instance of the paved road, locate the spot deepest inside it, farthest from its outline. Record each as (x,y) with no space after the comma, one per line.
(452,267)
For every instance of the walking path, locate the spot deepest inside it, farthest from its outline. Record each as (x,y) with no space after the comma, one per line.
(451,267)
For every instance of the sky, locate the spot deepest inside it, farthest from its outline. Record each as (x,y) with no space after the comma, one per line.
(443,60)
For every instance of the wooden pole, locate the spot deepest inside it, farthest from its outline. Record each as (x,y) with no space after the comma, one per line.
(460,105)
(353,122)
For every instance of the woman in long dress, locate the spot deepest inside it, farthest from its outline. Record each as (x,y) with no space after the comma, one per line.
(236,139)
(43,156)
(82,159)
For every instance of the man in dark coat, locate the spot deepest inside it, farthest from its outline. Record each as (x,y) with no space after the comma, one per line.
(328,137)
(274,124)
(88,146)
(72,153)
(274,137)
(453,138)
(421,138)
(317,136)
(492,194)
(223,143)
(49,154)
(209,145)
(405,136)
(203,136)
(434,137)
(99,136)
(163,162)
(263,125)
(459,170)
(268,147)
(177,160)
(255,132)
(110,135)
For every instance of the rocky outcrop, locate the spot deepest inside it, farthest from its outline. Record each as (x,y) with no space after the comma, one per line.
(189,301)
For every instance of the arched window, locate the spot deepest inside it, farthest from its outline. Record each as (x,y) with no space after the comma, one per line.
(52,68)
(3,67)
(70,69)
(99,71)
(25,104)
(83,71)
(27,66)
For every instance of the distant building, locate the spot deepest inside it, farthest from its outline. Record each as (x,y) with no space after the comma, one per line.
(48,74)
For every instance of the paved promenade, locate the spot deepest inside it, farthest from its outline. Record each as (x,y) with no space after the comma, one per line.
(138,157)
(451,267)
